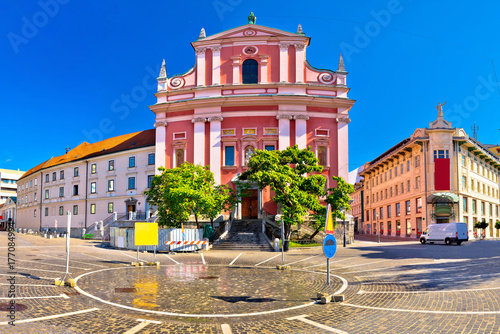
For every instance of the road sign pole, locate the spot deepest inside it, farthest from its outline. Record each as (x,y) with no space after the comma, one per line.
(282,242)
(328,271)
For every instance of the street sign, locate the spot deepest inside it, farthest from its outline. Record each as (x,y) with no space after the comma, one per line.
(146,234)
(329,221)
(329,246)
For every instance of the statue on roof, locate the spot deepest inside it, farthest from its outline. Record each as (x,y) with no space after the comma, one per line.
(252,18)
(439,108)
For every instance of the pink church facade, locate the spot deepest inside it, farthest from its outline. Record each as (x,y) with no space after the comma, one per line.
(252,88)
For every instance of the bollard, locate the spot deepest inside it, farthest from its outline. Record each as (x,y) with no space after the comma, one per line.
(276,244)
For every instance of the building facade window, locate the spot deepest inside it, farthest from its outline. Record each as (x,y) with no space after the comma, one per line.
(46,194)
(408,186)
(111,165)
(269,148)
(250,71)
(131,162)
(93,168)
(151,159)
(408,207)
(418,205)
(75,209)
(150,180)
(398,209)
(46,178)
(417,161)
(474,206)
(61,175)
(75,172)
(229,156)
(54,176)
(93,187)
(110,207)
(111,185)
(92,208)
(36,182)
(34,213)
(322,156)
(248,153)
(408,166)
(389,211)
(408,227)
(46,212)
(381,213)
(464,181)
(61,191)
(179,157)
(131,183)
(75,190)
(441,154)
(61,210)
(34,197)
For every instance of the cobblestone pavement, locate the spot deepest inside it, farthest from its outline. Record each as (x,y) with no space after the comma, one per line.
(391,287)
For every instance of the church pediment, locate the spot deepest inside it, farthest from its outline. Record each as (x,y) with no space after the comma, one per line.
(249,30)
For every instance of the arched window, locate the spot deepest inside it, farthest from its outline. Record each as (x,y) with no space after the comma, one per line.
(249,150)
(250,71)
(179,157)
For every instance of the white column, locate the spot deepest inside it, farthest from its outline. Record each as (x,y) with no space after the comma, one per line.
(300,57)
(284,131)
(343,147)
(215,146)
(236,70)
(263,68)
(199,140)
(301,131)
(284,62)
(200,66)
(216,64)
(160,145)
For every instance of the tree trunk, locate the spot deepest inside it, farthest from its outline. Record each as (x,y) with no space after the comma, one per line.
(196,220)
(287,233)
(314,234)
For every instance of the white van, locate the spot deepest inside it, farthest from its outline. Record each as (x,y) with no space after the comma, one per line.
(445,232)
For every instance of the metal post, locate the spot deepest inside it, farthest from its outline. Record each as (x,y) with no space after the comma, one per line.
(282,242)
(344,233)
(67,246)
(378,229)
(328,271)
(137,253)
(155,252)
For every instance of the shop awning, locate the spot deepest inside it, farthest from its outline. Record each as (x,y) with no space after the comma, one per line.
(443,197)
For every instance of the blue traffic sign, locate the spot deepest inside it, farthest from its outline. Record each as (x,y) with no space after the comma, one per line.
(329,246)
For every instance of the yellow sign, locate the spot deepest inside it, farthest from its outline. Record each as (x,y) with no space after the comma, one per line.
(146,234)
(329,221)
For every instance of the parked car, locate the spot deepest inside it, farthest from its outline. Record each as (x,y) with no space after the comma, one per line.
(446,232)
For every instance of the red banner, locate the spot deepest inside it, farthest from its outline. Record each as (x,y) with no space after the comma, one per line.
(442,174)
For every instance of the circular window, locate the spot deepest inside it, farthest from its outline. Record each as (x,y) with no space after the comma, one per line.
(250,50)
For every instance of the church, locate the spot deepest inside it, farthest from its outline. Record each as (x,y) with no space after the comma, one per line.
(251,87)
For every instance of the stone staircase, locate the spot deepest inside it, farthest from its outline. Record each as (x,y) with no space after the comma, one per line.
(244,235)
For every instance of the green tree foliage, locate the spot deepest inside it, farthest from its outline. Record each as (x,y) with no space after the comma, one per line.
(497,224)
(338,198)
(185,190)
(290,173)
(481,225)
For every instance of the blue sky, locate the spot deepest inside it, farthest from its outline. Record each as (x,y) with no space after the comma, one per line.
(74,71)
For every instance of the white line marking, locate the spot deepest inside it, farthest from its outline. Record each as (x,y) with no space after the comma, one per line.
(134,257)
(49,278)
(267,260)
(316,324)
(52,271)
(77,288)
(433,279)
(52,316)
(171,259)
(364,264)
(40,297)
(226,329)
(427,291)
(302,260)
(419,311)
(49,264)
(202,258)
(235,259)
(324,264)
(140,326)
(50,286)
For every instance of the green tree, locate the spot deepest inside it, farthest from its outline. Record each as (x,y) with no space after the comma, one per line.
(222,198)
(481,225)
(181,191)
(497,224)
(291,174)
(338,198)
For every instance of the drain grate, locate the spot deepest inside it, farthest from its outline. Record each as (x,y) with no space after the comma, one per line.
(125,290)
(208,277)
(6,307)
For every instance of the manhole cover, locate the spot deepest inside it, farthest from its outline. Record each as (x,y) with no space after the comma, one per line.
(6,307)
(126,290)
(208,277)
